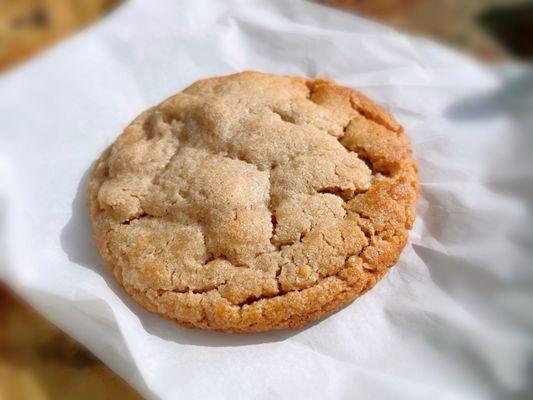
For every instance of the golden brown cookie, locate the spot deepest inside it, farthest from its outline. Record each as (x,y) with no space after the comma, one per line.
(252,202)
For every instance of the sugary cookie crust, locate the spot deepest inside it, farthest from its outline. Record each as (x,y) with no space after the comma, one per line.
(253,202)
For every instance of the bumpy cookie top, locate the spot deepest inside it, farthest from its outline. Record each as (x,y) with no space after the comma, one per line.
(251,201)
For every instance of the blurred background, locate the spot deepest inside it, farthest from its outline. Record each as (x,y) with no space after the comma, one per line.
(38,361)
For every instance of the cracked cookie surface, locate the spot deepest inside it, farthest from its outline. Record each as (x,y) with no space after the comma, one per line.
(253,202)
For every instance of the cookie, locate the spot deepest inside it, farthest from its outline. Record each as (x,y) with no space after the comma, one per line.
(252,202)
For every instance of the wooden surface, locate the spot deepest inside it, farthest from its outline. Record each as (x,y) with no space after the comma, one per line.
(28,26)
(38,361)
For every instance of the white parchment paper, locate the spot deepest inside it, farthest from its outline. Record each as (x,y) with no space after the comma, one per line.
(454,318)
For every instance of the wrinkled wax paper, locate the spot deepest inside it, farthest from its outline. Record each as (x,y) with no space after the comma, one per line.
(453,319)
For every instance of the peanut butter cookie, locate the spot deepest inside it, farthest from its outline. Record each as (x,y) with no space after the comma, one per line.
(252,202)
